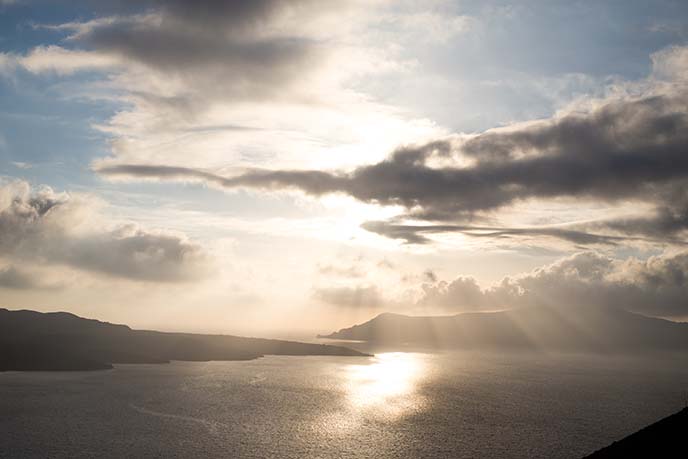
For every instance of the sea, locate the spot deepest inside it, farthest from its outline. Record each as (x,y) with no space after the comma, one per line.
(391,405)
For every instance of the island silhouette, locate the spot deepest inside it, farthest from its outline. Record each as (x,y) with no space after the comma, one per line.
(32,340)
(584,329)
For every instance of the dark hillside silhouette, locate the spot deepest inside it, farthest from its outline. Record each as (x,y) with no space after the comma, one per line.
(665,439)
(595,329)
(61,341)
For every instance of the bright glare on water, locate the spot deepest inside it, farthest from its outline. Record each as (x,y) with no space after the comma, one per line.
(393,405)
(388,383)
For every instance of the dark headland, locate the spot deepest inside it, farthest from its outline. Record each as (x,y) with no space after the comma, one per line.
(581,329)
(32,340)
(665,438)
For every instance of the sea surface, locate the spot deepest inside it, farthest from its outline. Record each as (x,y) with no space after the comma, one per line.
(393,405)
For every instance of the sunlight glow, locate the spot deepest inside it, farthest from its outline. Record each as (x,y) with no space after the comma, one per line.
(389,384)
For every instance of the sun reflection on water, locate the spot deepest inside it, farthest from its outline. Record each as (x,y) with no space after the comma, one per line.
(388,385)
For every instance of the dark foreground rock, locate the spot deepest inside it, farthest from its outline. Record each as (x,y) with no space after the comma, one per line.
(665,439)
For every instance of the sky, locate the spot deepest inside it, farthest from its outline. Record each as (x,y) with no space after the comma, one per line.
(276,167)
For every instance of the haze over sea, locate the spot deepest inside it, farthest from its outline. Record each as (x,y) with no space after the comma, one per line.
(458,404)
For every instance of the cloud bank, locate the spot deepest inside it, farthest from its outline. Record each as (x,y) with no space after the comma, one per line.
(41,226)
(14,278)
(207,48)
(625,150)
(657,286)
(628,148)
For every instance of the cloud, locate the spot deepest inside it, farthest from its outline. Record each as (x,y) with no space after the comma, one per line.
(43,227)
(8,64)
(64,61)
(14,278)
(350,297)
(223,56)
(206,84)
(189,55)
(461,294)
(671,64)
(182,67)
(429,276)
(21,165)
(622,149)
(657,286)
(414,234)
(337,270)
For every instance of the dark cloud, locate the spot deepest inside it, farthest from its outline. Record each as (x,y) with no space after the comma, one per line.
(133,253)
(665,221)
(226,13)
(429,276)
(624,150)
(414,234)
(14,278)
(313,182)
(44,227)
(162,172)
(351,297)
(657,286)
(215,48)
